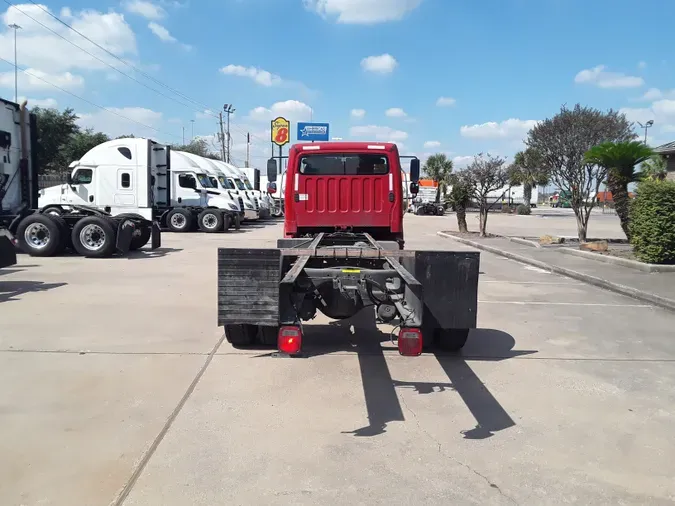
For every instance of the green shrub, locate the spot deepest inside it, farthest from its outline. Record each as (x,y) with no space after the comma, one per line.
(524,210)
(652,222)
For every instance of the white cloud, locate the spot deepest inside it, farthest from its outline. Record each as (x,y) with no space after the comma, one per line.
(146,9)
(36,80)
(378,133)
(601,78)
(114,126)
(446,102)
(260,76)
(642,65)
(395,112)
(206,113)
(45,103)
(161,32)
(510,129)
(362,11)
(662,112)
(431,144)
(358,113)
(292,110)
(461,162)
(382,64)
(40,49)
(653,94)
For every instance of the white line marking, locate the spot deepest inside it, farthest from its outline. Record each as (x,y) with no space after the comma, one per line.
(529,282)
(539,303)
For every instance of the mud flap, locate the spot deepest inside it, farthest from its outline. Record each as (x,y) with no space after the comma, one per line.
(156,236)
(125,232)
(7,252)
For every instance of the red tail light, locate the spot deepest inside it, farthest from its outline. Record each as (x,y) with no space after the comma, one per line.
(410,342)
(290,339)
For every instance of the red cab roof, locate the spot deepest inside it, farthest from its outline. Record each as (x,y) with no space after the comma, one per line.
(345,146)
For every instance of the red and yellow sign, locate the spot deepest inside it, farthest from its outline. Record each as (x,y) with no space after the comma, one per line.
(281,131)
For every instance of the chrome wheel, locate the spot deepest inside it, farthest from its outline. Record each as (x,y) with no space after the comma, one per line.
(92,237)
(37,235)
(178,221)
(210,221)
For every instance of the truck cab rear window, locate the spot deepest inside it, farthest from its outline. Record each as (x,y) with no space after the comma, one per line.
(344,164)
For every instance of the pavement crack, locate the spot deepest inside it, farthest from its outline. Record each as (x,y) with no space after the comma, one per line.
(143,462)
(454,459)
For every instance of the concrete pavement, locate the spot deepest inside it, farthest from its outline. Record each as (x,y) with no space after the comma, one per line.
(565,393)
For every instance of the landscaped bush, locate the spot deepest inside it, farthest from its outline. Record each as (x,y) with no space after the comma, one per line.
(524,210)
(652,222)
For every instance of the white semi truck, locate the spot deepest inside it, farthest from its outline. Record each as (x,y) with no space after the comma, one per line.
(88,230)
(137,177)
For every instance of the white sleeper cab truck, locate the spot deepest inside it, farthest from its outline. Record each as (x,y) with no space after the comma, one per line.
(220,181)
(234,176)
(195,201)
(134,178)
(260,186)
(246,174)
(83,227)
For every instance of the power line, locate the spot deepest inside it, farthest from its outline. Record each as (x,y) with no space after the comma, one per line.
(101,60)
(205,107)
(88,101)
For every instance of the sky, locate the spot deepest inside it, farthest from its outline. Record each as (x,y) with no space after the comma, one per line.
(453,76)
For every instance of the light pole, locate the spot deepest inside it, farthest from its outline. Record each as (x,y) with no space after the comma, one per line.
(15,27)
(646,126)
(193,129)
(229,109)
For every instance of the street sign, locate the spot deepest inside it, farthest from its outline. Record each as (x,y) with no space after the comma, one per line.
(313,131)
(281,131)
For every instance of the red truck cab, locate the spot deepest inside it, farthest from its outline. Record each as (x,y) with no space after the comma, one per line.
(345,186)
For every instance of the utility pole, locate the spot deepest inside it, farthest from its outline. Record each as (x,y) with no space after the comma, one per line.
(229,109)
(222,138)
(193,130)
(183,136)
(16,66)
(248,150)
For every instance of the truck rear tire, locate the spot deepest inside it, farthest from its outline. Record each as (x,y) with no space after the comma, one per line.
(40,235)
(210,221)
(140,238)
(94,237)
(240,335)
(179,220)
(451,339)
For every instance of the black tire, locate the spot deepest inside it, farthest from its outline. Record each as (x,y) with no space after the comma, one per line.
(66,241)
(451,339)
(237,222)
(418,211)
(179,220)
(227,222)
(95,237)
(53,210)
(40,235)
(267,336)
(140,238)
(210,221)
(241,336)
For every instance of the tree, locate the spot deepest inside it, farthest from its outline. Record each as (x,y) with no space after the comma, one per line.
(528,170)
(128,136)
(439,168)
(79,143)
(54,129)
(484,175)
(619,159)
(562,142)
(460,198)
(197,146)
(654,168)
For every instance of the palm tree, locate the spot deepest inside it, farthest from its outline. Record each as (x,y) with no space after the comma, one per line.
(527,169)
(620,160)
(654,168)
(438,168)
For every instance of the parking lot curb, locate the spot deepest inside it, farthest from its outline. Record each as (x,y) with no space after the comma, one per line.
(624,262)
(651,298)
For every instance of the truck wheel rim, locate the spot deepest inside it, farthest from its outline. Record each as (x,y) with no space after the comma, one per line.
(92,237)
(37,235)
(178,221)
(210,221)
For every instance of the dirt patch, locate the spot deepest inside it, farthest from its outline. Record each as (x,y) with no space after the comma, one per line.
(470,235)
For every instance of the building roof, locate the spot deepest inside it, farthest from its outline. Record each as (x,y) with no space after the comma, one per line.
(666,149)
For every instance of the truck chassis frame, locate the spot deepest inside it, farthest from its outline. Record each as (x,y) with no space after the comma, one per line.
(263,291)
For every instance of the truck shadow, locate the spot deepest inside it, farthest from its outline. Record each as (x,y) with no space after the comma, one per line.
(12,290)
(379,388)
(149,253)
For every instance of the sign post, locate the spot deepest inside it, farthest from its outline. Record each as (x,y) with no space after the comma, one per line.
(280,135)
(313,132)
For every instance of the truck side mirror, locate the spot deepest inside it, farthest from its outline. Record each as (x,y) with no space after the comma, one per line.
(271,188)
(414,170)
(69,179)
(271,170)
(414,188)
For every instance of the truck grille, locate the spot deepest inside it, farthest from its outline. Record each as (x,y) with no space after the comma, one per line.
(241,203)
(255,201)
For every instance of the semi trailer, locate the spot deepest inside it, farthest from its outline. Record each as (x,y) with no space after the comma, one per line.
(343,251)
(90,231)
